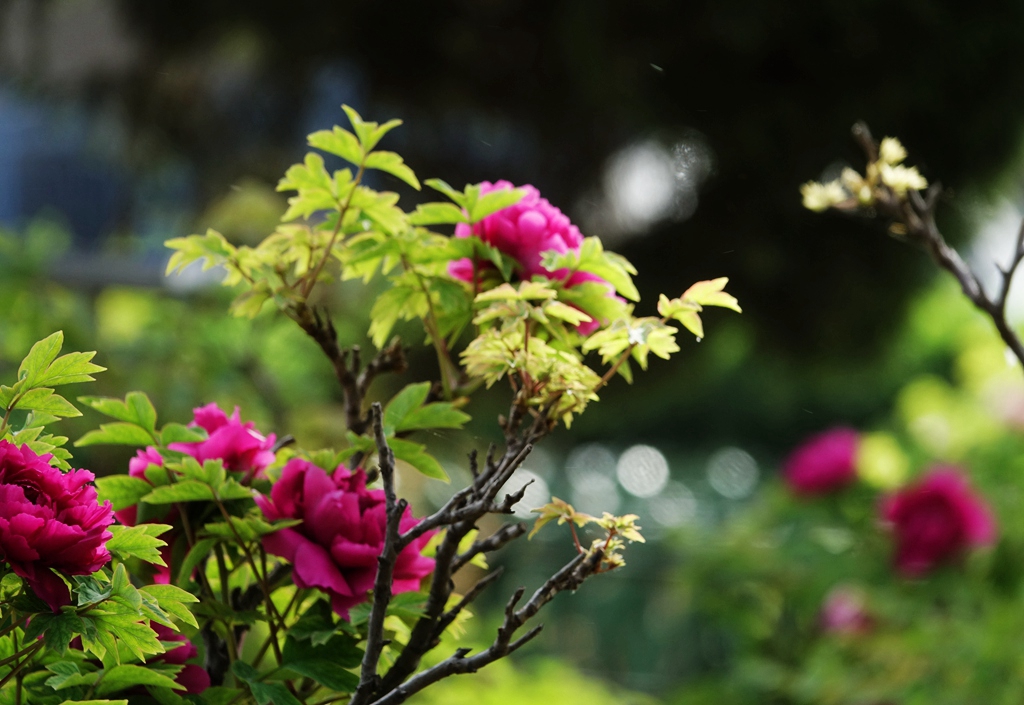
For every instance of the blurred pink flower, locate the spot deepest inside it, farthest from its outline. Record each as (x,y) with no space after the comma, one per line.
(823,463)
(844,611)
(50,521)
(524,231)
(936,519)
(336,546)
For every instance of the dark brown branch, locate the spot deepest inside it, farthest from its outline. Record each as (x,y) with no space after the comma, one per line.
(917,213)
(570,577)
(385,564)
(355,382)
(507,533)
(448,617)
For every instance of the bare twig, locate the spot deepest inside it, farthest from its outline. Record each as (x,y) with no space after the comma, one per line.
(917,213)
(507,533)
(355,382)
(570,577)
(385,563)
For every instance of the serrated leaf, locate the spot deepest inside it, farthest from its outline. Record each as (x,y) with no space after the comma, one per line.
(711,293)
(69,369)
(183,491)
(138,541)
(40,355)
(135,408)
(393,164)
(46,401)
(172,599)
(128,675)
(116,433)
(340,142)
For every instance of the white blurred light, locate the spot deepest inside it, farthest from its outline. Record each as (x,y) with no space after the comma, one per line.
(640,185)
(642,470)
(536,495)
(594,492)
(732,473)
(589,457)
(647,182)
(674,506)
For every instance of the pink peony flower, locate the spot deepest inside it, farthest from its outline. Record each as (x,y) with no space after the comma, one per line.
(844,612)
(194,678)
(525,231)
(824,463)
(935,520)
(50,521)
(336,547)
(240,446)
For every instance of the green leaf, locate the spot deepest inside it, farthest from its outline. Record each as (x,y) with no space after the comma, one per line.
(95,702)
(179,433)
(69,369)
(138,541)
(173,599)
(220,695)
(340,142)
(443,187)
(194,557)
(136,408)
(264,693)
(184,491)
(711,293)
(117,433)
(592,257)
(436,415)
(411,397)
(44,400)
(39,358)
(392,163)
(325,662)
(122,490)
(67,674)
(316,624)
(494,201)
(128,675)
(437,214)
(417,456)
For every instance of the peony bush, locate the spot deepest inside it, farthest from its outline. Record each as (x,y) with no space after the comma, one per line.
(226,565)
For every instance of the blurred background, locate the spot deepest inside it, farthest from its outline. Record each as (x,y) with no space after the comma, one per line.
(680,133)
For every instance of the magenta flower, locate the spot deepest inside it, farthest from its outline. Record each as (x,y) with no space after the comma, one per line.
(50,521)
(240,446)
(824,463)
(336,546)
(935,520)
(194,678)
(524,231)
(844,612)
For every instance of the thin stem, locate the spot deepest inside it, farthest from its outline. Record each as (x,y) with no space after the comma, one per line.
(225,594)
(311,281)
(28,652)
(272,616)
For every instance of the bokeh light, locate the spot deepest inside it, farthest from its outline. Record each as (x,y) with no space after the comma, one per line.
(674,506)
(732,473)
(642,471)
